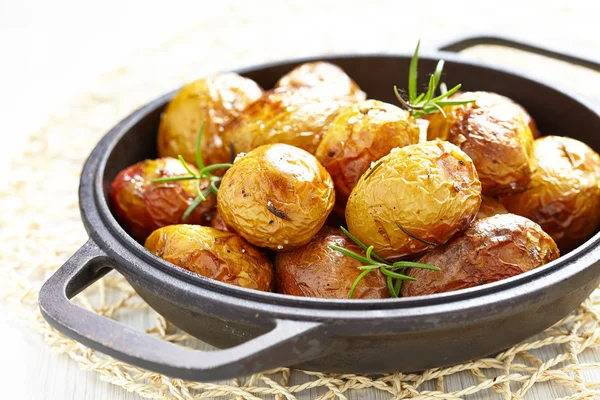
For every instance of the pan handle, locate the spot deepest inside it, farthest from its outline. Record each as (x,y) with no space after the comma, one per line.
(289,342)
(587,59)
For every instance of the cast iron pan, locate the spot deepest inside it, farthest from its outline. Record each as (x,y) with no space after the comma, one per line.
(257,330)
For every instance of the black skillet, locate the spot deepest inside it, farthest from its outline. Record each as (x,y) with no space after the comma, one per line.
(269,330)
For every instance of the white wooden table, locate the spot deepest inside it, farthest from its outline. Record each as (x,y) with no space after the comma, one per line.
(53,50)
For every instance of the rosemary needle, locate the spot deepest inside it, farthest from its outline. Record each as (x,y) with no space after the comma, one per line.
(205,173)
(371,262)
(425,103)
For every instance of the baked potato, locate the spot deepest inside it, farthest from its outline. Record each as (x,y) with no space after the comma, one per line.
(535,132)
(328,79)
(490,207)
(491,249)
(276,196)
(493,132)
(214,100)
(359,135)
(295,117)
(316,270)
(564,193)
(142,206)
(218,255)
(415,198)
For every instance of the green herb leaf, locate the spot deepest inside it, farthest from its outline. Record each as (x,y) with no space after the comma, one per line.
(360,244)
(199,192)
(443,88)
(174,178)
(349,253)
(437,74)
(372,262)
(425,103)
(411,264)
(205,173)
(215,166)
(391,288)
(356,281)
(396,275)
(444,103)
(447,93)
(412,74)
(187,168)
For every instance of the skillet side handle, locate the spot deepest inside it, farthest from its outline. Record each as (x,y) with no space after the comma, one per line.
(289,342)
(584,59)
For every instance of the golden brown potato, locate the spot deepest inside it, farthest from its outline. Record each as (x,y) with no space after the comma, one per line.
(490,207)
(528,120)
(142,206)
(277,196)
(214,100)
(430,190)
(493,132)
(492,249)
(564,193)
(222,256)
(316,270)
(328,79)
(359,135)
(295,117)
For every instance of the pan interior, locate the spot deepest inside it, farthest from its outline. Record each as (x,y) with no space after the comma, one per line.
(554,111)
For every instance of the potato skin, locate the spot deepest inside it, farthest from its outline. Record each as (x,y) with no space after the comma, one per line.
(316,270)
(277,196)
(493,132)
(360,134)
(431,189)
(564,193)
(327,78)
(490,207)
(142,206)
(528,119)
(214,100)
(492,249)
(223,256)
(295,117)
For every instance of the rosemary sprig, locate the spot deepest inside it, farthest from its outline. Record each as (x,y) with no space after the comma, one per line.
(394,272)
(425,103)
(204,173)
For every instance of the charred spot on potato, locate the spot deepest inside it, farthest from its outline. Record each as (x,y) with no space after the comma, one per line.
(275,211)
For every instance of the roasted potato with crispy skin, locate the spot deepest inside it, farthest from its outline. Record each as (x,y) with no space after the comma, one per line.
(492,249)
(414,198)
(316,270)
(222,256)
(276,196)
(214,100)
(295,117)
(493,132)
(490,207)
(328,79)
(142,206)
(564,193)
(528,120)
(359,135)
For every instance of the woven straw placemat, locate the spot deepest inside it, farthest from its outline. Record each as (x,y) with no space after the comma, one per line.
(38,236)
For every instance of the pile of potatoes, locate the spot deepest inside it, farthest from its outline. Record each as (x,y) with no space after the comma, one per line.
(483,196)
